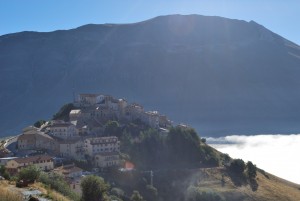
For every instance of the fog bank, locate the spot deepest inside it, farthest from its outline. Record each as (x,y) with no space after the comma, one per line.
(276,154)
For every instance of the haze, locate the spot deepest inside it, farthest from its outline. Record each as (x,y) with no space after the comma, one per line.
(35,15)
(276,154)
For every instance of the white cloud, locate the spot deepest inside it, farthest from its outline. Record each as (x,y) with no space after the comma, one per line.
(276,154)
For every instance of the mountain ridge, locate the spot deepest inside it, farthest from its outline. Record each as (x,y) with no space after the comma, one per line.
(222,76)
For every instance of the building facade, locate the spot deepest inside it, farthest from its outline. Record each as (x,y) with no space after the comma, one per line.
(71,148)
(63,130)
(43,162)
(33,139)
(105,160)
(97,145)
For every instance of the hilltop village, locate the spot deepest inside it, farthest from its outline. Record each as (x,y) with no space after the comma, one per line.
(80,132)
(133,154)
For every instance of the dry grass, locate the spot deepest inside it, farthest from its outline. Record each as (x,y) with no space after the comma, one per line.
(8,195)
(49,193)
(9,192)
(269,189)
(275,188)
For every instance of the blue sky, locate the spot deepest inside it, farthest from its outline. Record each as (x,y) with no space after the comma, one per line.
(281,17)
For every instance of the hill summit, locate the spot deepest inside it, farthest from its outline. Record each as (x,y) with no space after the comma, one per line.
(220,75)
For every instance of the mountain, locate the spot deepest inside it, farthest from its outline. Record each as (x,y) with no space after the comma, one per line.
(219,75)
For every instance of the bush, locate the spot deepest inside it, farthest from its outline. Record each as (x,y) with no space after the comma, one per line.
(117,192)
(58,183)
(197,194)
(237,166)
(251,170)
(136,196)
(63,113)
(184,146)
(30,174)
(39,123)
(112,128)
(93,188)
(4,173)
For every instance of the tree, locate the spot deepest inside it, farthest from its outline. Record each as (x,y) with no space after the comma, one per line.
(136,196)
(4,173)
(251,170)
(237,166)
(112,128)
(58,183)
(93,188)
(30,173)
(39,123)
(184,146)
(63,113)
(151,193)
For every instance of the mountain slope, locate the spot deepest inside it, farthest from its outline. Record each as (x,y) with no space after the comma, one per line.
(269,187)
(220,75)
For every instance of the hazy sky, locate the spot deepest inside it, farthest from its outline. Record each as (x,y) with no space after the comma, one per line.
(281,17)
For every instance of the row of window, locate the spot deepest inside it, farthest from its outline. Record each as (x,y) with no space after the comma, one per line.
(106,149)
(105,145)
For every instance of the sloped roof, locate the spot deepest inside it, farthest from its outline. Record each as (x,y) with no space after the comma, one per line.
(68,169)
(32,135)
(33,159)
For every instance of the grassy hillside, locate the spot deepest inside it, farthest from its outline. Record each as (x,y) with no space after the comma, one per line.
(269,188)
(8,192)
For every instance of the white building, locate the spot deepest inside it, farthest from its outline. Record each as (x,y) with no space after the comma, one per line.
(85,100)
(109,159)
(33,139)
(101,144)
(134,111)
(3,161)
(75,115)
(71,148)
(43,162)
(63,130)
(151,118)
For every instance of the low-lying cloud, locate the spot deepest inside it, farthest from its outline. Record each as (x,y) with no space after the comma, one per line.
(276,154)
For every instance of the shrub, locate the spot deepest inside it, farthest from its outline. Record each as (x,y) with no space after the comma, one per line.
(136,196)
(4,173)
(93,188)
(63,113)
(39,123)
(199,194)
(251,170)
(30,173)
(57,183)
(237,166)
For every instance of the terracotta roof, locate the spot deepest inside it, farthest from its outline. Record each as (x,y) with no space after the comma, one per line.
(67,169)
(33,159)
